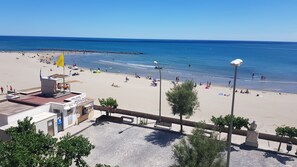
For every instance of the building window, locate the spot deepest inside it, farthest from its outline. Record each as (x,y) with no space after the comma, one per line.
(56,111)
(84,111)
(70,120)
(69,112)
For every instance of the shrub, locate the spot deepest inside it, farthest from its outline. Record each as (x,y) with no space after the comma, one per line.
(238,122)
(109,102)
(199,150)
(282,131)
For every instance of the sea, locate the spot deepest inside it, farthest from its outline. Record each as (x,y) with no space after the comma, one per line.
(267,65)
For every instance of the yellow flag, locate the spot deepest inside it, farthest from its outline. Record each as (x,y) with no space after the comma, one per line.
(60,61)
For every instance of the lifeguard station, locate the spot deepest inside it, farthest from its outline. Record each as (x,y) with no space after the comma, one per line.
(54,86)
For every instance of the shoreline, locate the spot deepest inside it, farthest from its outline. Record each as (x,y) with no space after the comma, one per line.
(239,87)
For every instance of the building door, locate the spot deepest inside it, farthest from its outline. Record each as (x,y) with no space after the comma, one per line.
(60,122)
(50,127)
(70,117)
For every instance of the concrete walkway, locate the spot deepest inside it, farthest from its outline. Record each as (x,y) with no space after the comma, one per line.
(76,129)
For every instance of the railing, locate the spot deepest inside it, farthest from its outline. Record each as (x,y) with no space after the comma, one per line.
(264,136)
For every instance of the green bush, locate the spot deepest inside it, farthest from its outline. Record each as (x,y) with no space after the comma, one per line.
(283,131)
(238,122)
(109,102)
(199,150)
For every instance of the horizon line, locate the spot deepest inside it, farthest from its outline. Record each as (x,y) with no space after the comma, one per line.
(165,39)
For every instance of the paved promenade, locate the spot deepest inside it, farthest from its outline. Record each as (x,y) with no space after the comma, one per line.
(132,146)
(128,146)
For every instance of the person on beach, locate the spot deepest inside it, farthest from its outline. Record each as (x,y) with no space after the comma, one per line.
(10,88)
(229,84)
(127,79)
(1,90)
(177,79)
(154,83)
(114,85)
(253,75)
(136,75)
(263,77)
(247,91)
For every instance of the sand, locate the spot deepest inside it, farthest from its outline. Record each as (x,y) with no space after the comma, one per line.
(269,110)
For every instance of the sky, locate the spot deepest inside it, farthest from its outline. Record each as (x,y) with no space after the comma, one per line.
(257,20)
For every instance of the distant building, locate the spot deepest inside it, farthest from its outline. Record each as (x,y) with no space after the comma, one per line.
(53,109)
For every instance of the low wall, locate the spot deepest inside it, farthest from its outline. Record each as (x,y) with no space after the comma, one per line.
(264,136)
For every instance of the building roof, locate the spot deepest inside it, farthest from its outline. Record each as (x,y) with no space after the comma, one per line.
(58,76)
(10,108)
(35,118)
(38,99)
(42,116)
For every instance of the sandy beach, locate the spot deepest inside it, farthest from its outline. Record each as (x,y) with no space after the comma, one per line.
(269,109)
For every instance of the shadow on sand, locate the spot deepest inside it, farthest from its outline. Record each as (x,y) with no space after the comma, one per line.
(162,138)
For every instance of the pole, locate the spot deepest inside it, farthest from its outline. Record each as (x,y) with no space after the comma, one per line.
(231,122)
(160,94)
(64,77)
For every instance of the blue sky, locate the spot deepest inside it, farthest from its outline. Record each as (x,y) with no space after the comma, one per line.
(273,20)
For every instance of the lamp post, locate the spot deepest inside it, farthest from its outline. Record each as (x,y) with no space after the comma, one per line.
(236,63)
(159,68)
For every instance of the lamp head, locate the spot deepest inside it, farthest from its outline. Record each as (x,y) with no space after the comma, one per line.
(236,62)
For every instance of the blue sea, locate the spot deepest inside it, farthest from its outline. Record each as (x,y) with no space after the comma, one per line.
(197,60)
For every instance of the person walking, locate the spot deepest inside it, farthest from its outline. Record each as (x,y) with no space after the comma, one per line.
(1,90)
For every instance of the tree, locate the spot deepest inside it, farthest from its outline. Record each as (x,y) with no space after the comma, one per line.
(199,150)
(30,148)
(291,132)
(110,103)
(183,100)
(27,147)
(220,122)
(74,148)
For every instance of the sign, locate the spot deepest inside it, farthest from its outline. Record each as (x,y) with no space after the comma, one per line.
(59,121)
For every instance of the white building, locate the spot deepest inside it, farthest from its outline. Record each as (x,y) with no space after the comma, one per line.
(53,109)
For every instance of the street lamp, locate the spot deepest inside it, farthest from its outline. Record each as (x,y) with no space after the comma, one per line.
(236,63)
(159,68)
